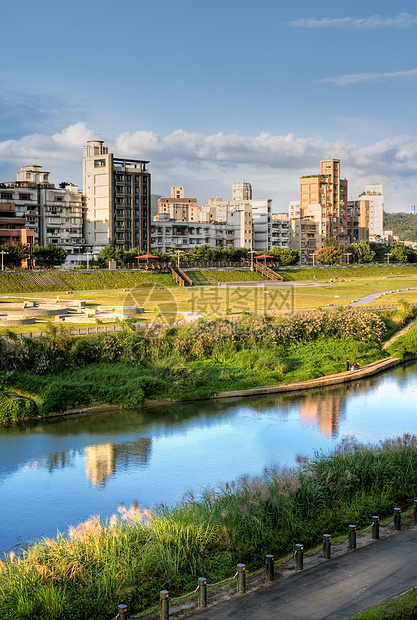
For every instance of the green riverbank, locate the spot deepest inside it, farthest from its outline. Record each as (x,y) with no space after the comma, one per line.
(196,361)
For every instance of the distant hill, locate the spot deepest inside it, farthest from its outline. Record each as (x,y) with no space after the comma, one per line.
(402,224)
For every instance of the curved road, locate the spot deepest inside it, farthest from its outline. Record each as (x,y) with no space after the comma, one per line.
(332,590)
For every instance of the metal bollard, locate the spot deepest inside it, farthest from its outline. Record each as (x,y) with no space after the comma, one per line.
(415,510)
(326,546)
(202,592)
(241,578)
(375,527)
(299,556)
(164,604)
(269,567)
(397,518)
(352,537)
(122,611)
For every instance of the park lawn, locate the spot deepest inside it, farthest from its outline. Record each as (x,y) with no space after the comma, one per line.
(209,299)
(362,287)
(219,299)
(394,298)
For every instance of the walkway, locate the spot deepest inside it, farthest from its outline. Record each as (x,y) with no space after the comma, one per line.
(367,299)
(332,590)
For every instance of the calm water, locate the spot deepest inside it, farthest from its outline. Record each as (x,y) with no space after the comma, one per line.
(59,473)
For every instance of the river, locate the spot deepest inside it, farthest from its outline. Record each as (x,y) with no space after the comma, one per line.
(58,473)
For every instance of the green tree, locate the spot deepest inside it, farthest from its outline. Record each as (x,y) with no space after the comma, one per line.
(328,255)
(367,255)
(285,256)
(402,254)
(202,253)
(64,184)
(16,253)
(110,253)
(381,251)
(50,255)
(402,224)
(331,242)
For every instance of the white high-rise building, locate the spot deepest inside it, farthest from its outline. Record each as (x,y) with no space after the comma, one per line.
(375,195)
(118,195)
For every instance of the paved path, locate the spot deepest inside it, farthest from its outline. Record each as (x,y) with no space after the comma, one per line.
(367,299)
(332,590)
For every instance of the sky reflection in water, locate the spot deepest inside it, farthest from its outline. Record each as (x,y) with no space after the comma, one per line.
(56,474)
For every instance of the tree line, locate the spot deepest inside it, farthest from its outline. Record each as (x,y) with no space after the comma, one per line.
(46,256)
(332,253)
(284,256)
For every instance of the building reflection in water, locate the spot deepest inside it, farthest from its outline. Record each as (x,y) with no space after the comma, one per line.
(102,460)
(325,410)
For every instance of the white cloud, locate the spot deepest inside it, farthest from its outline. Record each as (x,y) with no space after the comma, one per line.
(403,20)
(64,146)
(265,149)
(207,165)
(361,78)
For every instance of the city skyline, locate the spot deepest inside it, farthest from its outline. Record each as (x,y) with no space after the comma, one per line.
(215,93)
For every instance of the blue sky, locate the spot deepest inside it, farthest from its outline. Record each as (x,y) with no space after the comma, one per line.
(215,92)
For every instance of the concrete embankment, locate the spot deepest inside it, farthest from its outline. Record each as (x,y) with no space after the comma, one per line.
(341,377)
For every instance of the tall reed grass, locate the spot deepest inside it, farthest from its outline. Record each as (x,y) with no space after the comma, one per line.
(136,553)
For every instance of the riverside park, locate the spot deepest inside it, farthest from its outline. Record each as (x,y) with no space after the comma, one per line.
(153,434)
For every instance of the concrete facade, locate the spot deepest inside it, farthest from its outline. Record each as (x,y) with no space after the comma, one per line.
(118,199)
(374,193)
(250,219)
(50,214)
(280,230)
(324,196)
(168,235)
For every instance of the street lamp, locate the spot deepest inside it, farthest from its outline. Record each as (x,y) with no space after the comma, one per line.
(178,257)
(388,255)
(2,262)
(88,261)
(252,252)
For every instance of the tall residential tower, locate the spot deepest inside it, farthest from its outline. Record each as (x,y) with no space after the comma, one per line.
(118,194)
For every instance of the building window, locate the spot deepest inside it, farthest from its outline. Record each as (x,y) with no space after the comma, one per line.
(99,163)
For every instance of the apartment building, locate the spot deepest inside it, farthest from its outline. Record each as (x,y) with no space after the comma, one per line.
(374,194)
(251,219)
(179,208)
(168,235)
(12,225)
(280,230)
(118,199)
(323,196)
(358,220)
(305,236)
(47,214)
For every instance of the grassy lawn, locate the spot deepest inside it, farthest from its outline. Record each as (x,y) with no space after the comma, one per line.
(214,299)
(403,607)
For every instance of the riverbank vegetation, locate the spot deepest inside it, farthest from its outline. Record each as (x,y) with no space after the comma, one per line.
(137,552)
(402,607)
(406,345)
(188,362)
(59,372)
